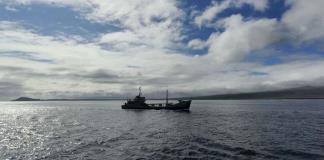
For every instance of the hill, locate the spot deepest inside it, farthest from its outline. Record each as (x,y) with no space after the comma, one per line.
(25,99)
(293,93)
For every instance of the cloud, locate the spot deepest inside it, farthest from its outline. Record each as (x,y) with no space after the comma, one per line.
(8,8)
(212,11)
(120,37)
(10,90)
(240,38)
(148,48)
(259,5)
(301,23)
(302,71)
(25,55)
(305,19)
(78,63)
(197,44)
(157,23)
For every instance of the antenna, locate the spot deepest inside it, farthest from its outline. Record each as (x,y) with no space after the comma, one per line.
(140,91)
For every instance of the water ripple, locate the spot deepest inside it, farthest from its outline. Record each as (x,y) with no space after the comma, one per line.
(212,130)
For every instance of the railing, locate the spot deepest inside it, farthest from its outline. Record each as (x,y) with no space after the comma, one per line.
(157,105)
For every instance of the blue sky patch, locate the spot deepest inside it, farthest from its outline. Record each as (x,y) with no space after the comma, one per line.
(53,20)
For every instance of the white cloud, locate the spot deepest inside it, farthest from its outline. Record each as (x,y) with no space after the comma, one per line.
(121,40)
(73,58)
(303,22)
(240,38)
(156,23)
(197,44)
(305,19)
(259,5)
(302,71)
(212,11)
(143,51)
(84,69)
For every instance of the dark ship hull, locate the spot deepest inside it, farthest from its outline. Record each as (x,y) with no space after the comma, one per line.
(139,103)
(181,105)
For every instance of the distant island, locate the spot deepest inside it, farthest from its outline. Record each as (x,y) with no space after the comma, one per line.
(26,99)
(293,93)
(90,99)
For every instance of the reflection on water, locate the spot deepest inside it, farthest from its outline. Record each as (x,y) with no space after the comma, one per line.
(260,129)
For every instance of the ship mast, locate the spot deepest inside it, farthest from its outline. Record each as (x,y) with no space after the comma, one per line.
(167,97)
(140,91)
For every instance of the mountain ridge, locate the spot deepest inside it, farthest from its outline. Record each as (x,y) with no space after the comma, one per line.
(306,92)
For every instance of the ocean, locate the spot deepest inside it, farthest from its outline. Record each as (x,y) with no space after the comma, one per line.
(220,129)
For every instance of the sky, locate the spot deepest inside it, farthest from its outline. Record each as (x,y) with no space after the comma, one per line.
(108,48)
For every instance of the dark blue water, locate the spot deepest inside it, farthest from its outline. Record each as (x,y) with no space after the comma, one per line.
(256,129)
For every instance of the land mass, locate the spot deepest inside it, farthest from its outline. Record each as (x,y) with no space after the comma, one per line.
(81,99)
(25,99)
(293,93)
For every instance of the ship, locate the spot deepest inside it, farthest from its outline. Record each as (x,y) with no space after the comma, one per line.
(139,102)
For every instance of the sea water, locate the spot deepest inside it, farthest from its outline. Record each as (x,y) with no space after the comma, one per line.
(229,129)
